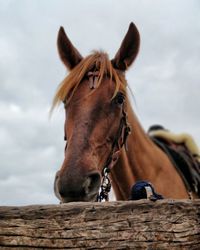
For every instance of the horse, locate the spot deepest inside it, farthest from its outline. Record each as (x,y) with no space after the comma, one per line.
(100,124)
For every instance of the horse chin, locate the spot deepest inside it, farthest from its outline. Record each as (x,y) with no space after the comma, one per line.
(91,198)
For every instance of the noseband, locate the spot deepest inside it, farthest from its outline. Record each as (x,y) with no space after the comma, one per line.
(120,140)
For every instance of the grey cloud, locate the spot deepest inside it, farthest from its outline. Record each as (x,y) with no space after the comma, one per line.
(164,78)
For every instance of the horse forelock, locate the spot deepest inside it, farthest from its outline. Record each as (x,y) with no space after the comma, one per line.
(97,61)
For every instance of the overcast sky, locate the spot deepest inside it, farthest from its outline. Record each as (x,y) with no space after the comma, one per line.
(165,78)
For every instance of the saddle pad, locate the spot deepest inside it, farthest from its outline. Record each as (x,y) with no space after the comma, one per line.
(184,162)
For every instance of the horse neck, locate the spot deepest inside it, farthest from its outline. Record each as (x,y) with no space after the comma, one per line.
(143,161)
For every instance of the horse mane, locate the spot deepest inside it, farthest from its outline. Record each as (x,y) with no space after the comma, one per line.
(96,61)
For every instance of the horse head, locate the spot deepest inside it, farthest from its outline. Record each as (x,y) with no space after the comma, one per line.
(94,97)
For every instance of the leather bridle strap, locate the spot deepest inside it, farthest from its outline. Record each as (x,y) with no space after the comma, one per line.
(93,79)
(121,139)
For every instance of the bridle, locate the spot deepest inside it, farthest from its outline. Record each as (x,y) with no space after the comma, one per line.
(120,140)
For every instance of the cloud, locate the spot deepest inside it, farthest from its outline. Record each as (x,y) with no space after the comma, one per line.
(164,78)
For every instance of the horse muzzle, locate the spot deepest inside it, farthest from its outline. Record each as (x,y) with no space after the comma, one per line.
(85,188)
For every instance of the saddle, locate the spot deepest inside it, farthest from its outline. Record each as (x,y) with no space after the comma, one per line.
(184,161)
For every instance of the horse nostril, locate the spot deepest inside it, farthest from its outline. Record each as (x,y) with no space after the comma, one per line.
(92,183)
(56,191)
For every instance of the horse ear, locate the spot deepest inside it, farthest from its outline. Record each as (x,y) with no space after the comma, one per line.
(128,50)
(68,53)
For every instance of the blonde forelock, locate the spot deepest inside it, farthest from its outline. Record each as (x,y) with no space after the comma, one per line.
(98,61)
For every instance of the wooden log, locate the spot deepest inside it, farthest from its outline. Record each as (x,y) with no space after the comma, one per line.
(143,224)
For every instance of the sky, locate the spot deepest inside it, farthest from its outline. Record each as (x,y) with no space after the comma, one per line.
(165,78)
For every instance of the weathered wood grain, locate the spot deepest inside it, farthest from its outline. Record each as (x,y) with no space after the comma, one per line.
(143,224)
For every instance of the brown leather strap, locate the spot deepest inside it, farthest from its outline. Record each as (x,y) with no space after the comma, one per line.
(93,79)
(120,141)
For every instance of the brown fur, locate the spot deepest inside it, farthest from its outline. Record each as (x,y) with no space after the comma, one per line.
(145,161)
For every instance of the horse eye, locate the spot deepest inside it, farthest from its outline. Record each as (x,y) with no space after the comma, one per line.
(120,98)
